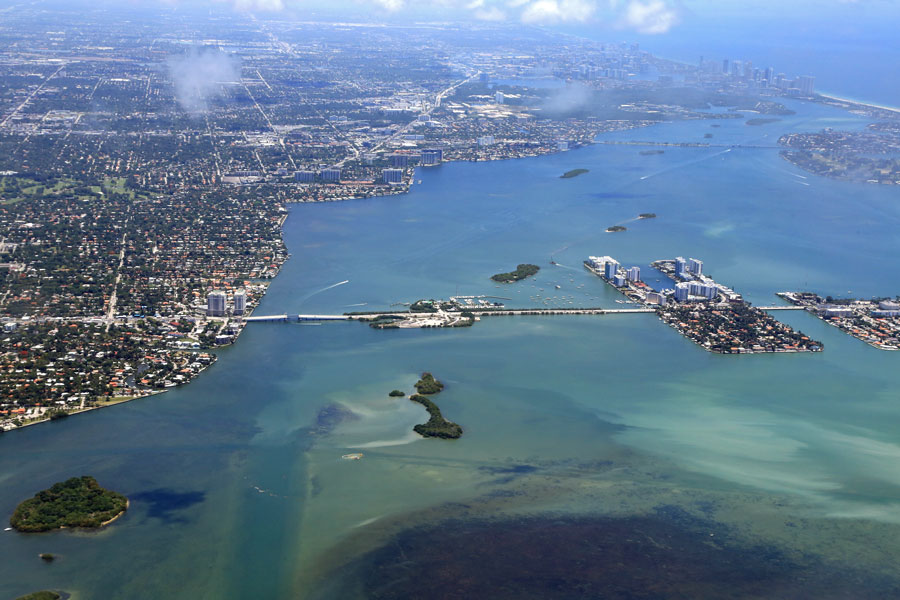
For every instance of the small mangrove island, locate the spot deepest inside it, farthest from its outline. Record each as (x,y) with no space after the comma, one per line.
(758,122)
(615,228)
(428,384)
(76,502)
(522,271)
(437,426)
(42,595)
(647,216)
(573,173)
(396,394)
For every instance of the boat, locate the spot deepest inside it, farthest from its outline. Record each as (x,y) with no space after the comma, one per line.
(558,287)
(353,456)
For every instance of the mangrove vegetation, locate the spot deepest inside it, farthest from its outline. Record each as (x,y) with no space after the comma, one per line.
(573,173)
(76,502)
(437,426)
(522,271)
(428,384)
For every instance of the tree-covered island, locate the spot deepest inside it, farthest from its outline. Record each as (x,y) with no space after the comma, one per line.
(437,426)
(522,271)
(42,595)
(615,228)
(428,384)
(573,173)
(76,502)
(647,216)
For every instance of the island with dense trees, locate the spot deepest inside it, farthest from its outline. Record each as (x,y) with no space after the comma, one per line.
(42,595)
(76,502)
(573,173)
(758,122)
(647,216)
(437,426)
(396,394)
(428,384)
(615,228)
(522,271)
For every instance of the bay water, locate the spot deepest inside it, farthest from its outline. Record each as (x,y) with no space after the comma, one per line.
(236,481)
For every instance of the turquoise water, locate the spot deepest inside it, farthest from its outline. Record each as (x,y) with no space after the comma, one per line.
(237,485)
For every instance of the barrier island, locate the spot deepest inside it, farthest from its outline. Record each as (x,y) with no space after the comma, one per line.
(522,271)
(76,502)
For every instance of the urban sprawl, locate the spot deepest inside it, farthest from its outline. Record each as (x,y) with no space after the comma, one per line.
(145,170)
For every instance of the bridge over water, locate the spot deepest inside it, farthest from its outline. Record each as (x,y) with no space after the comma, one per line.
(502,312)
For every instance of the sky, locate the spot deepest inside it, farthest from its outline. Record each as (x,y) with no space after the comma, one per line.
(651,17)
(848,45)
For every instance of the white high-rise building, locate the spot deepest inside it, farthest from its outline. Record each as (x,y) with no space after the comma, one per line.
(215,304)
(392,175)
(634,274)
(610,269)
(696,267)
(240,302)
(806,83)
(332,175)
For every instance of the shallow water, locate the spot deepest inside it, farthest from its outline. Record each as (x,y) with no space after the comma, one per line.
(237,483)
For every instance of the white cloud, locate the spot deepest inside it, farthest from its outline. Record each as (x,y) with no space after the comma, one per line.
(199,75)
(490,14)
(267,5)
(650,16)
(556,11)
(390,5)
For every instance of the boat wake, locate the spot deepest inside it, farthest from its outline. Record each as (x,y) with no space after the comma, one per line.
(324,289)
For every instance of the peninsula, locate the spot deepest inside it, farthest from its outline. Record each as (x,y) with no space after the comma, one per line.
(76,502)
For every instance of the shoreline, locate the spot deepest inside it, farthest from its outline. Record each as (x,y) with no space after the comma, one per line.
(859,103)
(108,521)
(90,408)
